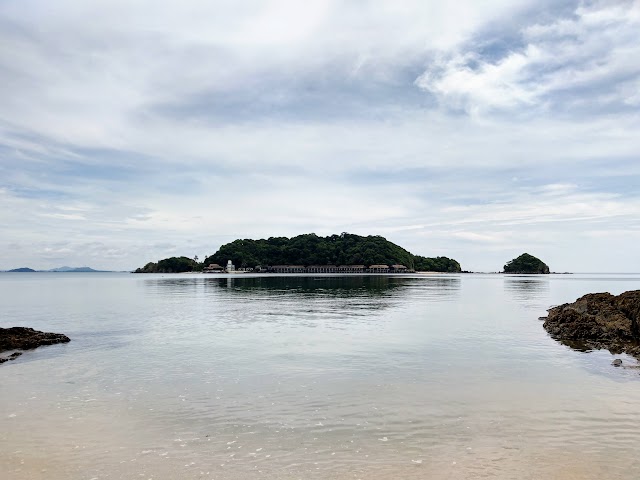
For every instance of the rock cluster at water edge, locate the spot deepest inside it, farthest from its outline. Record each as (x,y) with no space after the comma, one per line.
(598,321)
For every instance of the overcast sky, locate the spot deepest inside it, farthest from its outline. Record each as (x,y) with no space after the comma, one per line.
(134,131)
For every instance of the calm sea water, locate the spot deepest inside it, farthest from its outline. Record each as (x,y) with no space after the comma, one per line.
(285,377)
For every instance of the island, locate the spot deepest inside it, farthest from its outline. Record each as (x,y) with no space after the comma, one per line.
(58,270)
(598,321)
(23,338)
(309,253)
(526,264)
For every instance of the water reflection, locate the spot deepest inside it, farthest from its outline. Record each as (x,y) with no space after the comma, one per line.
(304,285)
(372,285)
(306,298)
(369,292)
(251,298)
(172,284)
(529,290)
(435,288)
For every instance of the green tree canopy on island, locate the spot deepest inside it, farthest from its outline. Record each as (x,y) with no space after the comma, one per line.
(526,263)
(437,264)
(171,265)
(308,249)
(311,249)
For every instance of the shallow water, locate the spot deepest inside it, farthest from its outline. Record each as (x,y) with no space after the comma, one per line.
(285,377)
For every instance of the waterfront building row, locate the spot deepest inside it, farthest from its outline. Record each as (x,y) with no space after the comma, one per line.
(215,268)
(336,269)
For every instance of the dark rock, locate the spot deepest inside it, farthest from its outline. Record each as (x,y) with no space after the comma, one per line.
(23,338)
(617,362)
(599,321)
(13,356)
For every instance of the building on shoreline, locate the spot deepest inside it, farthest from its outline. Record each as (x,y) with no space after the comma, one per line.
(378,269)
(399,269)
(286,269)
(215,268)
(335,269)
(352,269)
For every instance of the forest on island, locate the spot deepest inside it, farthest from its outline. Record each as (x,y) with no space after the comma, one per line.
(308,249)
(526,263)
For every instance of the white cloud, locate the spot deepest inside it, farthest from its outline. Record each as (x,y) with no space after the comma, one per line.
(63,216)
(586,55)
(133,131)
(478,237)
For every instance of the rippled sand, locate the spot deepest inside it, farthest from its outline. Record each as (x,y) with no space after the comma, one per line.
(498,464)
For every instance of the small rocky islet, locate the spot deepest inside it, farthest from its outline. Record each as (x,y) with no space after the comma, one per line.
(598,321)
(24,338)
(526,264)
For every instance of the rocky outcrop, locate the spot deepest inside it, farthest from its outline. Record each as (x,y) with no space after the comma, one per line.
(23,338)
(597,321)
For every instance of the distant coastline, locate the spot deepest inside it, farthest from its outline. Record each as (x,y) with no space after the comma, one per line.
(57,270)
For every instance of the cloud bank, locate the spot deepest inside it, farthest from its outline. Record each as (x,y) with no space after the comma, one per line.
(130,133)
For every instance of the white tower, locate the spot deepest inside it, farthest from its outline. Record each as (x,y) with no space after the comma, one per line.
(230,267)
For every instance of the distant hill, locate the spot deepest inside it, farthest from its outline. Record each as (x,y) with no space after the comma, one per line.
(57,270)
(74,269)
(308,249)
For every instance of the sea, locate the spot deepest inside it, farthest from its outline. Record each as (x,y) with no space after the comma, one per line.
(426,376)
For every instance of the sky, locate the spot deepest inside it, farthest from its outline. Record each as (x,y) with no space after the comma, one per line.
(136,131)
